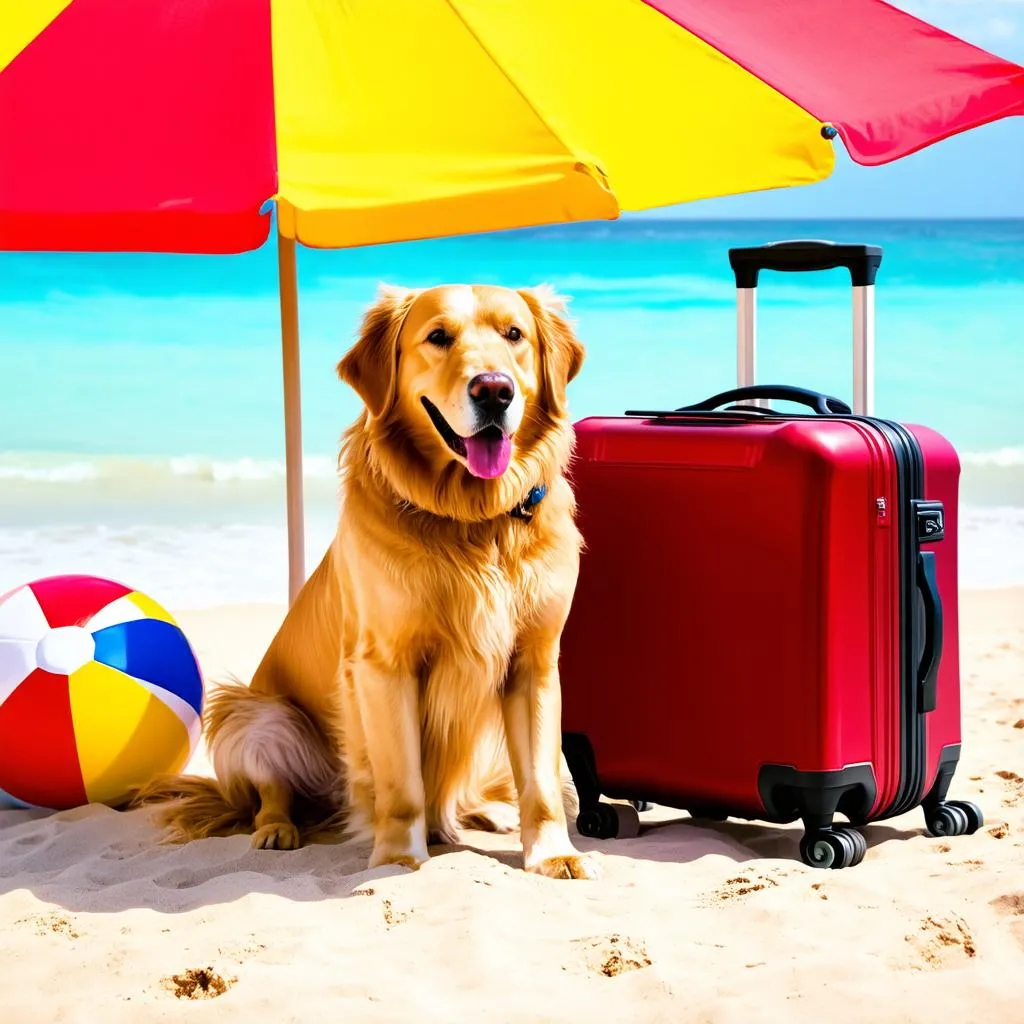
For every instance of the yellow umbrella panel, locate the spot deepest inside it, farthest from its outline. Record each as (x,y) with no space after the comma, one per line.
(420,118)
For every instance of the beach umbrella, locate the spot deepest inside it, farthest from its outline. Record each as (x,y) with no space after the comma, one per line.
(177,125)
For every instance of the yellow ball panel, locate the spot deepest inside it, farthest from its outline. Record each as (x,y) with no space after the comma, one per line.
(150,608)
(123,733)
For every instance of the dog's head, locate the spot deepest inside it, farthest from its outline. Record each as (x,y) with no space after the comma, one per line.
(469,380)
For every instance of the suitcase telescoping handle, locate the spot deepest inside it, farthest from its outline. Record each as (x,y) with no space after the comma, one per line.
(823,405)
(862,261)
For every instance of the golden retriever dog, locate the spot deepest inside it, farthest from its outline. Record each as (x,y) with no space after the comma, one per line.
(412,689)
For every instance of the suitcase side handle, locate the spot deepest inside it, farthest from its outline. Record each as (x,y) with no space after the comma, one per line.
(823,405)
(862,261)
(931,654)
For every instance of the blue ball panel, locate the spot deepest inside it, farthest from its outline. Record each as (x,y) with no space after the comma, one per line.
(155,652)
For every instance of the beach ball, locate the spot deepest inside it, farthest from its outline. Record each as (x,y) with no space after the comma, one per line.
(99,691)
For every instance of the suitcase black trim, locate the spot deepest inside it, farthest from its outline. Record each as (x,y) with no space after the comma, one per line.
(816,797)
(913,745)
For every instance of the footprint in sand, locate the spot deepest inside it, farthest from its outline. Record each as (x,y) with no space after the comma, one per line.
(612,954)
(50,924)
(27,842)
(1012,905)
(392,916)
(940,942)
(244,951)
(967,865)
(743,885)
(1015,785)
(197,983)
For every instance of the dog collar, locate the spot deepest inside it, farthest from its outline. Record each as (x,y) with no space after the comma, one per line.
(524,510)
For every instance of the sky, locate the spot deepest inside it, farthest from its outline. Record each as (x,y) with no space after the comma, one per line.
(979,173)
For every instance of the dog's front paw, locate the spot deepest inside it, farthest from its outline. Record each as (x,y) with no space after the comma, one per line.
(402,856)
(572,865)
(279,835)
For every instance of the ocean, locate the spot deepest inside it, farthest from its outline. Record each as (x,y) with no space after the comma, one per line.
(141,430)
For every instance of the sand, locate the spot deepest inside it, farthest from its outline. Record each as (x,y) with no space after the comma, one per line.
(716,923)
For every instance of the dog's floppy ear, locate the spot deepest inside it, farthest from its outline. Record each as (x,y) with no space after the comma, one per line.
(561,351)
(371,365)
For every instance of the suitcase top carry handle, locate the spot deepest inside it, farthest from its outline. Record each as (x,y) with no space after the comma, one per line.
(862,261)
(824,405)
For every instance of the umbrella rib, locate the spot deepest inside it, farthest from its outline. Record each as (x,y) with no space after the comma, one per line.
(511,81)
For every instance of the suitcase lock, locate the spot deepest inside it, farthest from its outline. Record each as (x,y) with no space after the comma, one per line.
(929,521)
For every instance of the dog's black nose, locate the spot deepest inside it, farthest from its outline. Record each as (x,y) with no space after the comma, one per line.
(492,392)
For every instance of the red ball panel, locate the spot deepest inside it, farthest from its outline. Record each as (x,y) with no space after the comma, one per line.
(73,600)
(39,758)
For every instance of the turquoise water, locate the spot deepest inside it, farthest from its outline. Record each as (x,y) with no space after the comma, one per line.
(142,389)
(147,354)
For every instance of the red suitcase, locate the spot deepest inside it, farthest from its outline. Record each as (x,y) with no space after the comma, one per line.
(765,624)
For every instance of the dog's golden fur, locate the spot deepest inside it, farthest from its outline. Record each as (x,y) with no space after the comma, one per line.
(413,686)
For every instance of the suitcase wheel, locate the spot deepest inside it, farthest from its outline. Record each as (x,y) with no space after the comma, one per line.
(837,847)
(975,819)
(608,821)
(955,818)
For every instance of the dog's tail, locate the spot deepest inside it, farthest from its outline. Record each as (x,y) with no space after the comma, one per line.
(252,737)
(197,807)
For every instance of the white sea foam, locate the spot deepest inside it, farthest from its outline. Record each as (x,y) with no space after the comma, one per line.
(1005,458)
(228,471)
(68,469)
(181,567)
(991,547)
(63,473)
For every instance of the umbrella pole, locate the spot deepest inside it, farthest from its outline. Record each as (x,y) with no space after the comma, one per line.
(289,290)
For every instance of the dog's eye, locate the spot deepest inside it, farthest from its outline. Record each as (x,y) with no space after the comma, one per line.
(514,334)
(439,337)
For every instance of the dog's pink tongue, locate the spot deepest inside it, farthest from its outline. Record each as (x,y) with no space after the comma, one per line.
(488,454)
